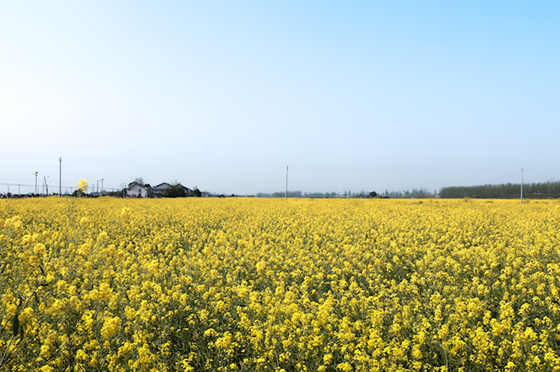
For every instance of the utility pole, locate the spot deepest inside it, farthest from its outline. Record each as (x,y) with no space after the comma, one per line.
(286,195)
(521,185)
(35,181)
(60,178)
(97,187)
(102,186)
(46,186)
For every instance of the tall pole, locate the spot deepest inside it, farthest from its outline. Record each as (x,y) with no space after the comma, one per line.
(46,185)
(286,195)
(60,178)
(35,181)
(102,185)
(521,185)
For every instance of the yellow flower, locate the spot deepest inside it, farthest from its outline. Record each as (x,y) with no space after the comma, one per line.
(84,221)
(82,186)
(81,355)
(125,214)
(45,350)
(40,249)
(110,327)
(261,267)
(210,332)
(346,367)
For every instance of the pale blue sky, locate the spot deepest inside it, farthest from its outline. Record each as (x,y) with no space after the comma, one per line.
(224,94)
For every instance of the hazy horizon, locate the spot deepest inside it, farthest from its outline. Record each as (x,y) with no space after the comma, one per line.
(27,185)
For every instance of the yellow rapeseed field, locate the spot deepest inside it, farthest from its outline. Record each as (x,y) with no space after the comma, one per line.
(273,285)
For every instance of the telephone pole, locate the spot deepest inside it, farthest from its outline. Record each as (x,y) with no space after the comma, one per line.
(102,186)
(60,178)
(521,185)
(35,181)
(286,195)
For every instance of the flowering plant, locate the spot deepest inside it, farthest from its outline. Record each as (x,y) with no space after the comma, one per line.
(82,186)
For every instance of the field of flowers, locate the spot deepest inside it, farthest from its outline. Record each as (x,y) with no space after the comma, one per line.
(273,285)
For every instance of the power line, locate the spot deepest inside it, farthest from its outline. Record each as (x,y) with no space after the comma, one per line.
(15,184)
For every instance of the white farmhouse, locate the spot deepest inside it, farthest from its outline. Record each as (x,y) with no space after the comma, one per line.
(138,190)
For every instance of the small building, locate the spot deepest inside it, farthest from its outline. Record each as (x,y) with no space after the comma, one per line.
(158,190)
(138,191)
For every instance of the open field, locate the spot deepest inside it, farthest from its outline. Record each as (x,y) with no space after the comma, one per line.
(272,285)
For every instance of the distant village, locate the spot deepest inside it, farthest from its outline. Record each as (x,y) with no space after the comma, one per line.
(134,190)
(139,190)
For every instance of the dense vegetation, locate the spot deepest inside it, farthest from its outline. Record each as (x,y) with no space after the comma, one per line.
(539,190)
(196,284)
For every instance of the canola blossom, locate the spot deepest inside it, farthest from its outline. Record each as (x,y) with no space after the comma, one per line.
(83,185)
(273,285)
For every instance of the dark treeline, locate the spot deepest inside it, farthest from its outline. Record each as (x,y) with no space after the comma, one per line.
(505,191)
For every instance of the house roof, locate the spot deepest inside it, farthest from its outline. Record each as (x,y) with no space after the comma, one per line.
(161,185)
(139,185)
(165,185)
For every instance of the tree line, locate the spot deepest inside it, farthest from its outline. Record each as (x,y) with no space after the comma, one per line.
(538,190)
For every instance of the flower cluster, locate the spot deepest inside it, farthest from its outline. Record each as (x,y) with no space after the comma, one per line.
(275,285)
(82,186)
